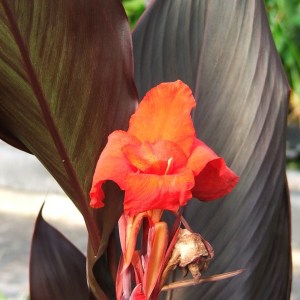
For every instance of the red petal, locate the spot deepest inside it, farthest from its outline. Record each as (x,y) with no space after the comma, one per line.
(213,178)
(214,181)
(138,267)
(112,165)
(201,154)
(131,237)
(145,191)
(137,293)
(158,247)
(164,114)
(121,277)
(154,158)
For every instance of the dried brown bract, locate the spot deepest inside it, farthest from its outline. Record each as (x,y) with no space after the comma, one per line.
(191,253)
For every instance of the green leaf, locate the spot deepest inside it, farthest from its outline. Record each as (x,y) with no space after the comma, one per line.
(225,52)
(66,82)
(133,9)
(2,296)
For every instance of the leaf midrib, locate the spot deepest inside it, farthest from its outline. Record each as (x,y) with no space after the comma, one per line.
(38,92)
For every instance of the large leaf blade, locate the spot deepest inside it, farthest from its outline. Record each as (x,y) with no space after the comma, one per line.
(225,52)
(66,83)
(57,267)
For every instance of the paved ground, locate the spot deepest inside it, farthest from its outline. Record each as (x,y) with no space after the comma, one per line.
(294,185)
(23,183)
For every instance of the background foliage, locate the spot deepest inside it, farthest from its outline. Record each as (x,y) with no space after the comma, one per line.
(284,18)
(133,8)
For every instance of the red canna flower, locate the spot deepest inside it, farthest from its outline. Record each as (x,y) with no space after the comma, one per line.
(159,162)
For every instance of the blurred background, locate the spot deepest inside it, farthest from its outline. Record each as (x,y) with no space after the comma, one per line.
(284,19)
(25,184)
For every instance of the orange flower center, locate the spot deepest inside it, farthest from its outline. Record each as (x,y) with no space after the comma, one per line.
(160,158)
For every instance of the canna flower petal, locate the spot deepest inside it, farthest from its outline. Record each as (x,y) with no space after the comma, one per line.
(200,155)
(112,165)
(160,158)
(213,178)
(149,191)
(137,293)
(159,243)
(159,162)
(164,114)
(214,181)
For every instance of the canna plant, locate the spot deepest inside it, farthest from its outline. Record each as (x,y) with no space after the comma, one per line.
(159,169)
(67,94)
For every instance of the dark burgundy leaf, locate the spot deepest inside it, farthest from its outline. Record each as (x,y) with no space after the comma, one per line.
(65,83)
(102,269)
(57,267)
(104,278)
(225,52)
(10,139)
